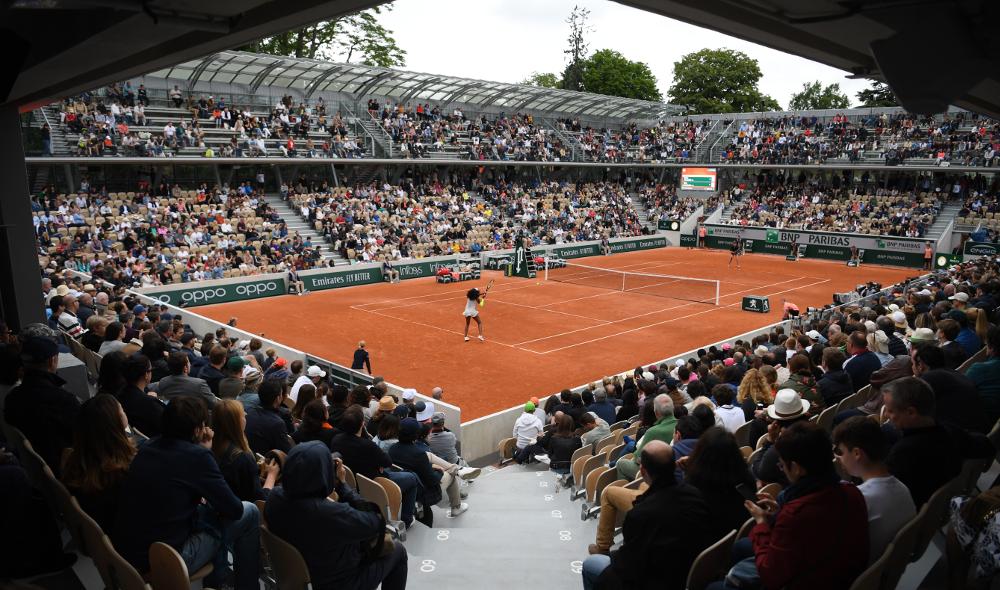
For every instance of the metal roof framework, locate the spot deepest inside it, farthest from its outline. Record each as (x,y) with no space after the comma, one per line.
(310,77)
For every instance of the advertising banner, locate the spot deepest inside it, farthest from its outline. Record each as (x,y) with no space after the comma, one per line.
(890,251)
(698,179)
(220,293)
(977,249)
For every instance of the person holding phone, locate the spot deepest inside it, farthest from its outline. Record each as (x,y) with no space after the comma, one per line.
(815,533)
(232,452)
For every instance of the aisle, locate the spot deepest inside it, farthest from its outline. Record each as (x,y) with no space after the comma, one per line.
(521,531)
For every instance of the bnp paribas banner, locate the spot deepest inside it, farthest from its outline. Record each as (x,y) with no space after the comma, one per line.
(890,251)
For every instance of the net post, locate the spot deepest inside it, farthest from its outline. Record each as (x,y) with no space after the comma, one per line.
(545,261)
(717,283)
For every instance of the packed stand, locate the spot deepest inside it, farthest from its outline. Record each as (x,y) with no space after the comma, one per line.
(116,123)
(423,131)
(840,431)
(902,207)
(163,235)
(186,432)
(418,219)
(980,209)
(961,139)
(667,141)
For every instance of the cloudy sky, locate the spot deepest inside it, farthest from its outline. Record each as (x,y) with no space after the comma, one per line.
(507,40)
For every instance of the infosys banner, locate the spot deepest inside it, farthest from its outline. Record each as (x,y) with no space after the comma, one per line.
(907,252)
(203,293)
(499,260)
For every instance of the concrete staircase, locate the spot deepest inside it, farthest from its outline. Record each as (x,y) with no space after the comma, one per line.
(948,213)
(301,226)
(642,211)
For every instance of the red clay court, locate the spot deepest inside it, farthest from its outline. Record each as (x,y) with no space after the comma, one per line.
(541,336)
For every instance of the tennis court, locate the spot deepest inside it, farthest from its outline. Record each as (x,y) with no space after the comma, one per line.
(542,336)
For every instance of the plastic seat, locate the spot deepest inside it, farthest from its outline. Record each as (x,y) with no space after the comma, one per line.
(290,570)
(506,449)
(168,570)
(711,564)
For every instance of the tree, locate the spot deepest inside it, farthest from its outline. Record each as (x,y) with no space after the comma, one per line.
(816,96)
(347,38)
(878,95)
(543,80)
(572,78)
(609,72)
(719,81)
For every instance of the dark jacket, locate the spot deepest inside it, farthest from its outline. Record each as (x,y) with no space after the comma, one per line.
(323,435)
(160,497)
(896,345)
(266,430)
(242,474)
(560,449)
(413,458)
(172,386)
(212,376)
(665,528)
(835,386)
(604,410)
(954,354)
(924,459)
(144,411)
(361,360)
(861,367)
(360,454)
(45,412)
(727,509)
(327,534)
(817,541)
(957,400)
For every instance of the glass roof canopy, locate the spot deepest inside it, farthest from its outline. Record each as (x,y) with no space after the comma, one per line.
(310,77)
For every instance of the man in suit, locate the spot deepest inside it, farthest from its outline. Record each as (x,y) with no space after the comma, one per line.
(179,381)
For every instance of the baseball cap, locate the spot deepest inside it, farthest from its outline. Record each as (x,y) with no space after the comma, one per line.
(924,292)
(37,349)
(893,307)
(188,337)
(760,351)
(729,362)
(251,374)
(922,335)
(960,296)
(529,407)
(647,376)
(534,400)
(139,308)
(813,334)
(280,362)
(679,363)
(409,428)
(409,393)
(437,419)
(426,413)
(315,371)
(236,364)
(727,346)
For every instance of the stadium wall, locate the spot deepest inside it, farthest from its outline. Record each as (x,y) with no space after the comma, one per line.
(890,251)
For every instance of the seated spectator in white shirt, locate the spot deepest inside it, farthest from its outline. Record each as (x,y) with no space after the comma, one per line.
(732,416)
(527,428)
(861,448)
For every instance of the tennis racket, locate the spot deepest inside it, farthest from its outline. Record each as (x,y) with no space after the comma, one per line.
(482,301)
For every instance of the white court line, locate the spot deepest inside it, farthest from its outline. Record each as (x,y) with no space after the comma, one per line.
(691,315)
(632,317)
(440,329)
(449,295)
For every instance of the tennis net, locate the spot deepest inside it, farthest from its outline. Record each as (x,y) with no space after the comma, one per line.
(670,286)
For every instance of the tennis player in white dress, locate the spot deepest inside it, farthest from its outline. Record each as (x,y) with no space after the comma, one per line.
(472,302)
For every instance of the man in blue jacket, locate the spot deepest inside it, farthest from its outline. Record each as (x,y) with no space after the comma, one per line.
(332,536)
(161,500)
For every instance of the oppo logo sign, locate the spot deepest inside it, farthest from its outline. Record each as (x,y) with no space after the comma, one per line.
(257,288)
(203,295)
